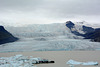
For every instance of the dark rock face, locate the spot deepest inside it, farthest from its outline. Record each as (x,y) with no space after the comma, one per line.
(88,29)
(2,28)
(90,33)
(5,36)
(70,24)
(94,36)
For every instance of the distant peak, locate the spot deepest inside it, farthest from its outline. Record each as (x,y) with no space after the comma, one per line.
(70,23)
(1,28)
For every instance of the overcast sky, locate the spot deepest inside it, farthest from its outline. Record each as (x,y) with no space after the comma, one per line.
(49,11)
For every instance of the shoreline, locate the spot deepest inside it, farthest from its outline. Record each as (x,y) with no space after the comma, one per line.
(60,57)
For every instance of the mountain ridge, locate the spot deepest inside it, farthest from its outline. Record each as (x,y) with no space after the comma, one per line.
(5,36)
(69,29)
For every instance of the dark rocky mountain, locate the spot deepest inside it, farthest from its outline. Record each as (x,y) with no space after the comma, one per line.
(5,36)
(89,32)
(77,31)
(72,28)
(94,36)
(88,29)
(70,24)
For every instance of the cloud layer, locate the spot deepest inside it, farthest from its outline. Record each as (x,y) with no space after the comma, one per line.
(48,11)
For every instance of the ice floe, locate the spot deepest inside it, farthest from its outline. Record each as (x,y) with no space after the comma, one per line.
(72,63)
(21,61)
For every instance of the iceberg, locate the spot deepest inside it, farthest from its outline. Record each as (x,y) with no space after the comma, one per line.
(72,63)
(22,61)
(90,63)
(16,61)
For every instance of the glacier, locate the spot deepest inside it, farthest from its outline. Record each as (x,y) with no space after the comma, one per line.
(48,37)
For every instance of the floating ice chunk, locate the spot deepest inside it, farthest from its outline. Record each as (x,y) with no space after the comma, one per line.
(20,61)
(74,62)
(90,63)
(16,61)
(18,56)
(36,59)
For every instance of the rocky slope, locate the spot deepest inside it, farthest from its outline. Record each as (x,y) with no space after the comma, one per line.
(88,32)
(5,36)
(94,36)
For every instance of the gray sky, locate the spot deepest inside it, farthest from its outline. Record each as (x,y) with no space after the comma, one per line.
(49,11)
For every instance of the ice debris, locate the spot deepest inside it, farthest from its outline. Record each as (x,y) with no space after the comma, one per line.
(20,61)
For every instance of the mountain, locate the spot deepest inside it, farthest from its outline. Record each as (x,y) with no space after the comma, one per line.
(89,32)
(94,36)
(68,30)
(78,30)
(5,36)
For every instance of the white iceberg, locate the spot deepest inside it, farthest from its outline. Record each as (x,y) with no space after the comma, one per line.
(16,61)
(90,63)
(72,63)
(21,61)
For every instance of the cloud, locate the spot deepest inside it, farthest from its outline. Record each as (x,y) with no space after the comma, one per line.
(37,11)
